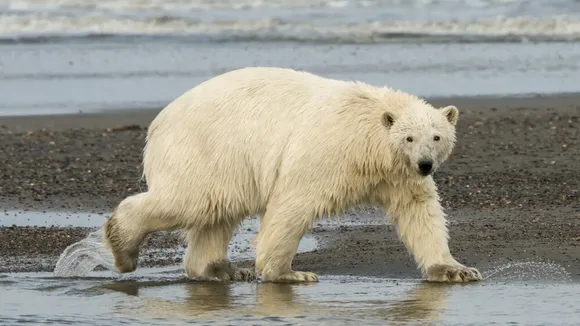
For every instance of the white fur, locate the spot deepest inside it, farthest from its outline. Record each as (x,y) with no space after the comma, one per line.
(292,147)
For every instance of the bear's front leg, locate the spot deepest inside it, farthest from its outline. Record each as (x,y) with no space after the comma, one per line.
(421,225)
(280,232)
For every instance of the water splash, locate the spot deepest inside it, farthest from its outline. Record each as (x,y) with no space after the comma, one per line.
(529,271)
(83,256)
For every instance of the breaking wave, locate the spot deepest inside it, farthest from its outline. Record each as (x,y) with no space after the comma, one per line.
(43,27)
(315,21)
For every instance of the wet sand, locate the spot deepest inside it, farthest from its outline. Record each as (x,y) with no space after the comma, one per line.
(511,189)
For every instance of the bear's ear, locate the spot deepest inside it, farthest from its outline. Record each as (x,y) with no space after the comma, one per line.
(451,113)
(387,119)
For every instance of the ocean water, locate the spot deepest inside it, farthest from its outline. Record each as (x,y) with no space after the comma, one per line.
(68,56)
(317,21)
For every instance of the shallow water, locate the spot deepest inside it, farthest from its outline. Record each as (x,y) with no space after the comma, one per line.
(159,297)
(51,218)
(523,293)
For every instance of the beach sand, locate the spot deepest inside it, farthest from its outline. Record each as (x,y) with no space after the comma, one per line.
(511,188)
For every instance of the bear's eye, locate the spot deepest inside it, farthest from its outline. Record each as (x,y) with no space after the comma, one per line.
(436,138)
(410,139)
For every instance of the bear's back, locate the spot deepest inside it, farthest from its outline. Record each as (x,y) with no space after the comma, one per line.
(261,106)
(259,92)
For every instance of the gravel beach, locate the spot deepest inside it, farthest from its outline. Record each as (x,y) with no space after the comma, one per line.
(511,188)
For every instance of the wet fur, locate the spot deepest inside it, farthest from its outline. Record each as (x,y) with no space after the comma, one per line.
(291,147)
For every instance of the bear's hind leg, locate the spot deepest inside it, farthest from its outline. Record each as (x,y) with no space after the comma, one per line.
(206,255)
(277,242)
(134,218)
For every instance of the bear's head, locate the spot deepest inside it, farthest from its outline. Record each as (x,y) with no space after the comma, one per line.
(422,137)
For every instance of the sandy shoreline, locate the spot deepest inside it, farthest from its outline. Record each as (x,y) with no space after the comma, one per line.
(511,188)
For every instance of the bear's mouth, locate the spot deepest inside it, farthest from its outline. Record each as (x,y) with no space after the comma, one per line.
(424,174)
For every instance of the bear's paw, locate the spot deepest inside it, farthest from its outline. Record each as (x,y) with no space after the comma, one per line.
(453,274)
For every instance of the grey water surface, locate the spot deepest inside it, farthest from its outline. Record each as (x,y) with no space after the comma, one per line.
(164,297)
(520,293)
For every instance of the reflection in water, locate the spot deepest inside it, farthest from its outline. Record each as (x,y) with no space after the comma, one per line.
(425,302)
(199,298)
(169,299)
(208,301)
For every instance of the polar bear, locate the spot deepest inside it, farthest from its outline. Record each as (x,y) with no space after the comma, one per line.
(290,147)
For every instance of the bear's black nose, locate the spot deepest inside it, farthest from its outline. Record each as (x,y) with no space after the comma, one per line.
(425,167)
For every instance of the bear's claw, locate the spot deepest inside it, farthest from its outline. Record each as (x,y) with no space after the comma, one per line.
(236,274)
(455,274)
(295,277)
(226,271)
